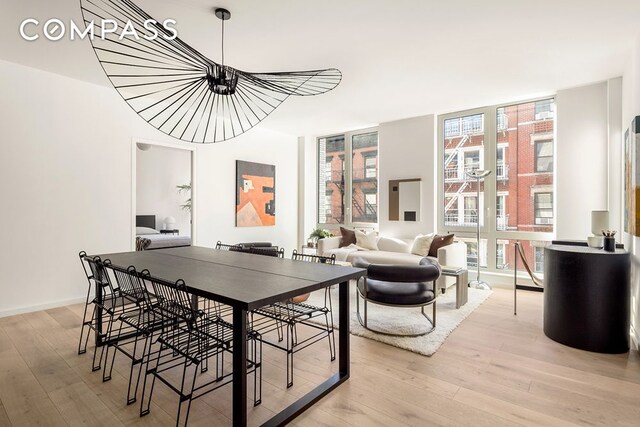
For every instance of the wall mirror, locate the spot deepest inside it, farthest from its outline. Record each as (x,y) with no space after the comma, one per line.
(404,199)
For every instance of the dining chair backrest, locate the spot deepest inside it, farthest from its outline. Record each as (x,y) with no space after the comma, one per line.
(129,282)
(297,256)
(226,247)
(172,298)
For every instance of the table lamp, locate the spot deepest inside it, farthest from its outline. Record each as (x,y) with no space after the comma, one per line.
(169,223)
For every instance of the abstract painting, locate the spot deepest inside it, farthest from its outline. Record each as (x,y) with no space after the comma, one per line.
(255,194)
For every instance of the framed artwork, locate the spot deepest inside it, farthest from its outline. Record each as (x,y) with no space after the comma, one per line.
(632,178)
(628,195)
(255,194)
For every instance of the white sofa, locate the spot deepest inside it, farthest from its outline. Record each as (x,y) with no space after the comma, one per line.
(397,251)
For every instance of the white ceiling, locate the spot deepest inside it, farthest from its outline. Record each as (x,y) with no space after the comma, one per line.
(399,58)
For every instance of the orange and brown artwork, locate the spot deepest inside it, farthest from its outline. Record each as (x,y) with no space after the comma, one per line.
(255,194)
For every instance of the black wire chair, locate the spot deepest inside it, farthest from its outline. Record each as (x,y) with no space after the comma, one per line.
(136,328)
(290,314)
(185,345)
(104,306)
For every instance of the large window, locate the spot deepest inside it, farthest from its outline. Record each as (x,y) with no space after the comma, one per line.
(348,193)
(516,143)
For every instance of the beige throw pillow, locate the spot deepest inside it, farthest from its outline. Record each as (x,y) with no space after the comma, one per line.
(367,240)
(422,244)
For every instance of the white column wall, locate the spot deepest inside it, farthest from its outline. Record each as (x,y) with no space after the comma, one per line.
(407,150)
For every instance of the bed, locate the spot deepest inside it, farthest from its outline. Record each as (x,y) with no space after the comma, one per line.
(148,238)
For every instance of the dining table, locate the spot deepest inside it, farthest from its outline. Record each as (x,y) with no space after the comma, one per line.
(246,282)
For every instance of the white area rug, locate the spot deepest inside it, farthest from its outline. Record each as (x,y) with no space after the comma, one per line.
(407,320)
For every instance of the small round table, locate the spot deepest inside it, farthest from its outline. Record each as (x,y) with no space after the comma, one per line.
(586,297)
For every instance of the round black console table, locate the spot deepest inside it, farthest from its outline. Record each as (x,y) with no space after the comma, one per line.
(586,298)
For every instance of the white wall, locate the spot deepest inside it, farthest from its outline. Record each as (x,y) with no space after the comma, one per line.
(67,183)
(581,158)
(407,150)
(159,171)
(216,197)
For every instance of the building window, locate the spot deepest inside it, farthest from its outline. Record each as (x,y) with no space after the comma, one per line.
(371,204)
(471,160)
(501,167)
(539,259)
(370,167)
(544,106)
(543,207)
(544,156)
(501,259)
(350,194)
(470,210)
(451,166)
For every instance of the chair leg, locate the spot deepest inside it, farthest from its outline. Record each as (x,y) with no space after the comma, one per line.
(85,324)
(98,366)
(290,345)
(145,401)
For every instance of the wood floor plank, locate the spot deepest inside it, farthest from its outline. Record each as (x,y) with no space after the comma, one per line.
(4,418)
(79,406)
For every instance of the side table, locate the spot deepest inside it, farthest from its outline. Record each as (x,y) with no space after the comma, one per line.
(462,283)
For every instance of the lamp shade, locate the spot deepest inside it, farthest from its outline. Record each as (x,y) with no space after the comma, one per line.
(169,222)
(599,222)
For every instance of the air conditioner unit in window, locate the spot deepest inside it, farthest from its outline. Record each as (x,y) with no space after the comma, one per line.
(544,115)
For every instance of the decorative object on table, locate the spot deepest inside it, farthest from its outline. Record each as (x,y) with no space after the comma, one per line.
(255,194)
(169,223)
(599,222)
(186,190)
(478,175)
(178,90)
(631,218)
(609,240)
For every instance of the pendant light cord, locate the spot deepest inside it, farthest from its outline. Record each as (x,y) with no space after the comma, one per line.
(223,16)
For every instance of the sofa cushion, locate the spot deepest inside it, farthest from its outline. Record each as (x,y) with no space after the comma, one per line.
(385,257)
(439,242)
(367,240)
(348,237)
(391,244)
(422,244)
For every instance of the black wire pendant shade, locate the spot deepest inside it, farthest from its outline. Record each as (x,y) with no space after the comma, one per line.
(179,91)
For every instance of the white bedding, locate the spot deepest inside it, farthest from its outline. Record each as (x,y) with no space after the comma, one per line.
(159,241)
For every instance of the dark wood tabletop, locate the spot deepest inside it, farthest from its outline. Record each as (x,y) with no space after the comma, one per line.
(242,280)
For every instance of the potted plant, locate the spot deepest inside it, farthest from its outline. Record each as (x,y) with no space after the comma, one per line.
(316,235)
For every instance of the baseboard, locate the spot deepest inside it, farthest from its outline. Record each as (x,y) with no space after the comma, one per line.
(39,307)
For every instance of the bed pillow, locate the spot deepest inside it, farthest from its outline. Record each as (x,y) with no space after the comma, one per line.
(348,237)
(439,242)
(144,231)
(422,244)
(367,240)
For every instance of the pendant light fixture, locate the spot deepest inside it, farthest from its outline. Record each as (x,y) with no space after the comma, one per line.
(178,90)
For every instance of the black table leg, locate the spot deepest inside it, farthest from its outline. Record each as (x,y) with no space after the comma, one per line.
(239,414)
(344,357)
(309,399)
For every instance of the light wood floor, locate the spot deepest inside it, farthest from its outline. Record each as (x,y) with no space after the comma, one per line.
(494,370)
